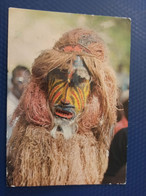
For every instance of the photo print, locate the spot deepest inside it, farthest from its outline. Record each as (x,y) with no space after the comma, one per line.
(67,101)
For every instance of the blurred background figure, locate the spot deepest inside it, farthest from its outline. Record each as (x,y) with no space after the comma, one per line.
(20,77)
(123,78)
(117,163)
(122,112)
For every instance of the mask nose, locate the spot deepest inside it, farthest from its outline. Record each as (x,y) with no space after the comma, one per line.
(65,102)
(65,99)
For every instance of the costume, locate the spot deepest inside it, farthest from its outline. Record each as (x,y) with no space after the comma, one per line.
(65,114)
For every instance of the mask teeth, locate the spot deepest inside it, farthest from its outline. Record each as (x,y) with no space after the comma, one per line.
(63,111)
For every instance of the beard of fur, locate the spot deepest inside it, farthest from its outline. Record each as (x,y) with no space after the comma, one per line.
(42,160)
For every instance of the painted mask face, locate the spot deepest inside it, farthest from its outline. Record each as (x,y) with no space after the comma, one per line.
(68,91)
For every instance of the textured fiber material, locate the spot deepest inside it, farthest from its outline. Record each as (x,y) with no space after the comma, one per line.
(88,147)
(39,160)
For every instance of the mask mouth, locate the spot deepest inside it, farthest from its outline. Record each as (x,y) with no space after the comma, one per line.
(64,112)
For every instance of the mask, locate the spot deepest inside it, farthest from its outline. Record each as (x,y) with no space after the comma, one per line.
(68,91)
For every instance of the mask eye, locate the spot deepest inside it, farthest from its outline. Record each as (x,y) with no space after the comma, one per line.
(76,80)
(58,74)
(81,80)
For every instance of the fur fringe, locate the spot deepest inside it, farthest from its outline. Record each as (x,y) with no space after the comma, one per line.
(42,160)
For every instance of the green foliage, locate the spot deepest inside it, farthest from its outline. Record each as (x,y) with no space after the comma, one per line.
(38,30)
(116,32)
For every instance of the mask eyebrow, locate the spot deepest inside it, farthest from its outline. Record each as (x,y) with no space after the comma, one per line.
(58,71)
(61,74)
